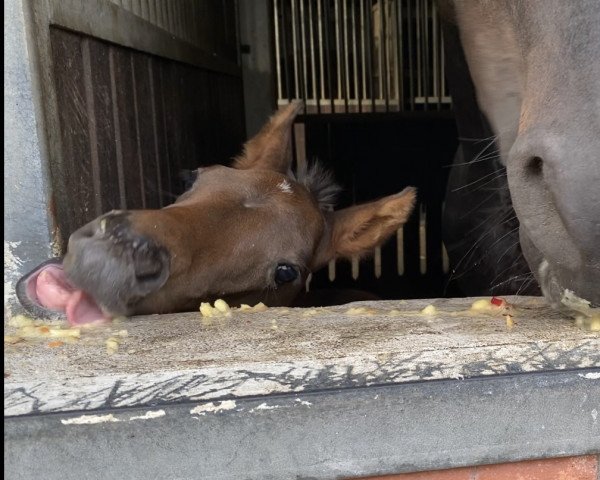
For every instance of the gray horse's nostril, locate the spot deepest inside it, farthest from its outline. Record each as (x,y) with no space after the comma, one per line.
(535,166)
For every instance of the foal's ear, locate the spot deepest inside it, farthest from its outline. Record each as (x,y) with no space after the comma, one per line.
(271,148)
(356,231)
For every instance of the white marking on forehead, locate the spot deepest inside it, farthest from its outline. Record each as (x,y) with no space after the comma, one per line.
(285,186)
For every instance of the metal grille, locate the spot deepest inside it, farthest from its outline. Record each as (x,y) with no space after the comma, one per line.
(354,56)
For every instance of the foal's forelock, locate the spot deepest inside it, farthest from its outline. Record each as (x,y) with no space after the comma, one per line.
(319,182)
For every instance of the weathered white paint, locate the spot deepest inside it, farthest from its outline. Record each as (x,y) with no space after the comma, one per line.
(212,407)
(149,415)
(90,420)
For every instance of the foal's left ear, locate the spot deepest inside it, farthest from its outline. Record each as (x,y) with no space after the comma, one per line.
(271,148)
(357,230)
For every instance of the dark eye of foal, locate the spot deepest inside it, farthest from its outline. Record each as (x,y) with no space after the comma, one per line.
(285,273)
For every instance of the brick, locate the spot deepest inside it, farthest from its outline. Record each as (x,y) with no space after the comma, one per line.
(567,468)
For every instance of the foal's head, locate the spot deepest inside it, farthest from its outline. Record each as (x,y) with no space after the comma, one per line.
(248,233)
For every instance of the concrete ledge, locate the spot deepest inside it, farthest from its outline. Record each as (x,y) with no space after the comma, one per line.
(292,393)
(178,358)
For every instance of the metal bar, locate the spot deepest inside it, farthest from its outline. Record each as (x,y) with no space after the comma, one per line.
(400,250)
(418,40)
(321,95)
(355,268)
(338,49)
(346,56)
(315,91)
(355,89)
(328,56)
(277,52)
(370,53)
(443,66)
(440,49)
(426,51)
(411,73)
(302,31)
(384,54)
(363,67)
(285,52)
(377,262)
(435,55)
(295,50)
(400,53)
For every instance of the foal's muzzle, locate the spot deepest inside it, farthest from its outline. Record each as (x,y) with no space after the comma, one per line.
(117,266)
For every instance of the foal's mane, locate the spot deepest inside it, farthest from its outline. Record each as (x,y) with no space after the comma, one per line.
(319,181)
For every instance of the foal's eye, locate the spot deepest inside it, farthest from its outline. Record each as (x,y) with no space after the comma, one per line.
(285,273)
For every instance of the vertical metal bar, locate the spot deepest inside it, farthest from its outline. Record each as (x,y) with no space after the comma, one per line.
(355,77)
(400,53)
(331,270)
(286,73)
(315,91)
(377,262)
(418,40)
(400,250)
(363,67)
(355,268)
(383,56)
(321,66)
(328,56)
(411,72)
(295,51)
(426,51)
(443,66)
(442,69)
(338,48)
(346,56)
(369,22)
(277,52)
(440,59)
(445,259)
(435,55)
(302,31)
(377,34)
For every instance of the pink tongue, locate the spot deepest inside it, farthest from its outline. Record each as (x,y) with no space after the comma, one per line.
(82,309)
(54,292)
(52,289)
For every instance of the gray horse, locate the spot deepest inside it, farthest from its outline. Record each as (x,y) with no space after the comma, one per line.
(535,68)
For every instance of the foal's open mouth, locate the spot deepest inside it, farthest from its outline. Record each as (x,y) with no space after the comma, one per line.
(48,290)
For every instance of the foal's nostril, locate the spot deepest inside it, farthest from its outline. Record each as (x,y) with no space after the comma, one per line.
(148,260)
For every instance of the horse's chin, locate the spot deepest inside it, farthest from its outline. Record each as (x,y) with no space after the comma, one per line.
(565,290)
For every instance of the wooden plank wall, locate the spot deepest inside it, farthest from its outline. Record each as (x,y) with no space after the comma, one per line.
(129,122)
